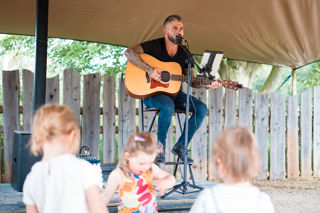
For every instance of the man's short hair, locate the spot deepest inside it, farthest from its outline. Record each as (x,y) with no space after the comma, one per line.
(172,18)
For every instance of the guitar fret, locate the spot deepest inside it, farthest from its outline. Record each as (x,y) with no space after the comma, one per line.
(194,79)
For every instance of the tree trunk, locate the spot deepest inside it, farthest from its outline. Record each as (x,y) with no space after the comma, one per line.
(270,85)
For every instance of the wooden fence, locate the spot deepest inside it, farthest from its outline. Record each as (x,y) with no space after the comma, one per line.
(288,134)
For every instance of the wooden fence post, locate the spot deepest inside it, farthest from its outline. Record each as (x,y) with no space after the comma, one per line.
(27,79)
(306,132)
(230,108)
(109,126)
(316,131)
(126,116)
(11,122)
(52,90)
(215,107)
(71,91)
(245,108)
(277,130)
(292,138)
(199,141)
(91,113)
(262,131)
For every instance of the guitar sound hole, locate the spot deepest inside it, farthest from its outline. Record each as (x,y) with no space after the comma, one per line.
(165,76)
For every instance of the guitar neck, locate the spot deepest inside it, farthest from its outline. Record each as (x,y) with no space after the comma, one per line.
(184,78)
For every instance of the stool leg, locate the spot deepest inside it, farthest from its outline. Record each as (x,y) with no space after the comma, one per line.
(151,125)
(191,174)
(142,117)
(175,168)
(179,122)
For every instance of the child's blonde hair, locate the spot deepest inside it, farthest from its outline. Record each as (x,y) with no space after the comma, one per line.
(52,122)
(238,151)
(138,142)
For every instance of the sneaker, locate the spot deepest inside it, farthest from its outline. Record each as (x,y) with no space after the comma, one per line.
(178,149)
(160,158)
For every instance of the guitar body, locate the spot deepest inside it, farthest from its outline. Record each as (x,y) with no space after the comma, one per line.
(139,85)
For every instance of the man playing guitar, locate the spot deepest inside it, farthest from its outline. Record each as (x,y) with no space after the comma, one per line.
(166,49)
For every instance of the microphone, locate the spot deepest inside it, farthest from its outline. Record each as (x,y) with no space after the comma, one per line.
(178,38)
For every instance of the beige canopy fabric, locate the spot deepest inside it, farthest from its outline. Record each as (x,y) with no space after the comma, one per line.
(278,32)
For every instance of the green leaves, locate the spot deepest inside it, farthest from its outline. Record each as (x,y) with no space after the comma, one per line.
(85,57)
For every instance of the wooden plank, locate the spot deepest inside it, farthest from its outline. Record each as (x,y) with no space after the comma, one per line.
(71,91)
(109,127)
(277,129)
(27,81)
(245,108)
(262,131)
(292,138)
(168,153)
(178,133)
(230,109)
(199,142)
(215,108)
(11,93)
(91,113)
(126,116)
(316,131)
(306,132)
(52,90)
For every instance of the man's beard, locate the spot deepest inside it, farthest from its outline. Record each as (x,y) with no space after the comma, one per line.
(172,39)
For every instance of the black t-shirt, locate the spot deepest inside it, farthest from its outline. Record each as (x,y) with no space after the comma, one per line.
(157,49)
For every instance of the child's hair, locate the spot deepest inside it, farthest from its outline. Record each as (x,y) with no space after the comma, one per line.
(238,151)
(52,122)
(139,142)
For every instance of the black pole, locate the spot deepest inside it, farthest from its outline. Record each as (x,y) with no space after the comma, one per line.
(39,84)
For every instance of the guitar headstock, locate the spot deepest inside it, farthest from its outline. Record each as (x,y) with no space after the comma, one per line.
(231,84)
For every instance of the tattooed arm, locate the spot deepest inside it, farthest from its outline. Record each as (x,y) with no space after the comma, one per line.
(133,55)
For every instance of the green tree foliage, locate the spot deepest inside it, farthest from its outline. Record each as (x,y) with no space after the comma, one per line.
(83,56)
(311,77)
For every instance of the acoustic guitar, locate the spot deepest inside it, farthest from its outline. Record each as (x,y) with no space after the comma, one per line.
(139,85)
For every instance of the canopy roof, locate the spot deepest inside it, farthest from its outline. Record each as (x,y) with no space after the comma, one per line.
(279,32)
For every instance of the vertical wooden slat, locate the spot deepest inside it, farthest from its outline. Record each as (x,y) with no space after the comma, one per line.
(215,108)
(27,103)
(306,132)
(245,108)
(277,127)
(109,127)
(91,113)
(292,138)
(199,142)
(230,108)
(126,116)
(316,131)
(71,91)
(168,154)
(262,131)
(52,90)
(11,93)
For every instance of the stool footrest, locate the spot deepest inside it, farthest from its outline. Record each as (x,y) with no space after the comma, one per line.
(176,163)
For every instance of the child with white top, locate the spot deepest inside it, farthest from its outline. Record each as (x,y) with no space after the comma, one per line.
(236,160)
(60,182)
(136,175)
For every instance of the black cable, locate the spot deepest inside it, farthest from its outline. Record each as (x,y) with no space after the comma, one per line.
(286,80)
(121,109)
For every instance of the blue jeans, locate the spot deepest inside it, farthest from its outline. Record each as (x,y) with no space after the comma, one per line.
(167,104)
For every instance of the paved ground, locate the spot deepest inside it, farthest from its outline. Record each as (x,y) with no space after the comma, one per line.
(292,196)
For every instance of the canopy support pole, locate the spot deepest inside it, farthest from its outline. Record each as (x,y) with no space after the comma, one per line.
(39,83)
(294,82)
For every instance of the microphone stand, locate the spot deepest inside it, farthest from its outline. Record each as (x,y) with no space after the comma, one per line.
(184,184)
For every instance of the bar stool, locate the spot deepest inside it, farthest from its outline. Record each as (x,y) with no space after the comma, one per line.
(155,113)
